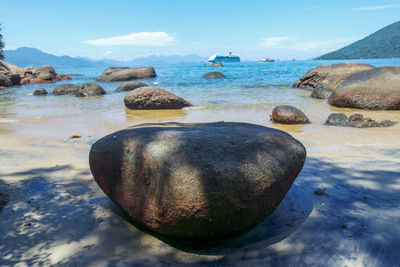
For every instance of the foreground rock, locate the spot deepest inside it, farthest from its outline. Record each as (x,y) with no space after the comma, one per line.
(356,120)
(197,181)
(216,64)
(288,115)
(90,89)
(126,74)
(40,91)
(130,86)
(66,89)
(214,75)
(329,76)
(377,89)
(149,97)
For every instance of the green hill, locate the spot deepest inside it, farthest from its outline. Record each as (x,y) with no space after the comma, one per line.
(384,43)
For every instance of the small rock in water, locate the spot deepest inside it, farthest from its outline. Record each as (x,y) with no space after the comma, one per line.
(130,86)
(217,64)
(90,89)
(321,93)
(75,136)
(214,75)
(288,115)
(320,192)
(40,91)
(337,119)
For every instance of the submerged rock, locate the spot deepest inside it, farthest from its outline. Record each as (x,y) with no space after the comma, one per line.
(377,89)
(329,76)
(149,97)
(288,115)
(356,120)
(126,74)
(197,181)
(40,91)
(129,86)
(321,93)
(66,89)
(214,75)
(90,89)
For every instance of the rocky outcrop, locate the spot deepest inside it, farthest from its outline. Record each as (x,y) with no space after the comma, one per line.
(377,89)
(9,74)
(66,89)
(126,74)
(90,89)
(214,75)
(197,181)
(288,115)
(44,72)
(149,97)
(356,120)
(40,91)
(216,64)
(130,86)
(329,76)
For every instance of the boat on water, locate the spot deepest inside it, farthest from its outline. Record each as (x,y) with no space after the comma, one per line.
(266,60)
(226,59)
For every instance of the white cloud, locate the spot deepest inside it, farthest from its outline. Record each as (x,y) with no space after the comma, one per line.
(369,8)
(138,39)
(274,41)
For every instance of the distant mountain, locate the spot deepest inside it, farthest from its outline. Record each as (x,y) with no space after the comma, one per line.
(384,43)
(26,56)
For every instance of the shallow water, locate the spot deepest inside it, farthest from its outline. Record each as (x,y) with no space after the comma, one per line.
(356,223)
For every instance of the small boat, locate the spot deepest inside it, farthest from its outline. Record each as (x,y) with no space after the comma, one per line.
(266,60)
(226,59)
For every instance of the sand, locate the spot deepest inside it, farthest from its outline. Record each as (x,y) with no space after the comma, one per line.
(57,215)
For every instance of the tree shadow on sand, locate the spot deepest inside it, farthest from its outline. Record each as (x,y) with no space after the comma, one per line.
(73,223)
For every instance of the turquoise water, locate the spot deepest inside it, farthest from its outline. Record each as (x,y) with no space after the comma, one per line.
(249,93)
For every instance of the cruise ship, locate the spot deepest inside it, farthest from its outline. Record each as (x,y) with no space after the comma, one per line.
(225,59)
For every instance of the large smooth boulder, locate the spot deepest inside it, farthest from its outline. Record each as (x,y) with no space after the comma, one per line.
(44,72)
(126,74)
(197,181)
(288,115)
(90,89)
(66,89)
(149,97)
(329,76)
(130,86)
(377,89)
(214,75)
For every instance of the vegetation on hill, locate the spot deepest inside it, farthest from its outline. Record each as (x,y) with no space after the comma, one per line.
(384,43)
(1,45)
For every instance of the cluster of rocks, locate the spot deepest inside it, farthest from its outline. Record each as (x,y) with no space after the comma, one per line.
(356,120)
(85,90)
(11,75)
(354,85)
(197,181)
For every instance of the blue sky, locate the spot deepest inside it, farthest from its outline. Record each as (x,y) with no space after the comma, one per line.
(125,30)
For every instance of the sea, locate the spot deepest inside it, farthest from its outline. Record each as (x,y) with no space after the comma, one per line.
(248,94)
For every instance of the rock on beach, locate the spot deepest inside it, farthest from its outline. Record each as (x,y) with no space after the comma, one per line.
(126,74)
(197,181)
(288,115)
(149,97)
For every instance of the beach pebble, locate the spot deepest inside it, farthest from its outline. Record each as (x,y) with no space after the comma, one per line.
(197,181)
(288,115)
(214,75)
(149,97)
(40,91)
(90,89)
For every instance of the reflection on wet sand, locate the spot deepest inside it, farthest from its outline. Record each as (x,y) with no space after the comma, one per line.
(154,115)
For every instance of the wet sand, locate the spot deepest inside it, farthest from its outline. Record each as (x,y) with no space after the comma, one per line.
(58,215)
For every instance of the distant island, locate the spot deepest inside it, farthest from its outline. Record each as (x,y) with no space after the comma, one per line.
(28,56)
(384,43)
